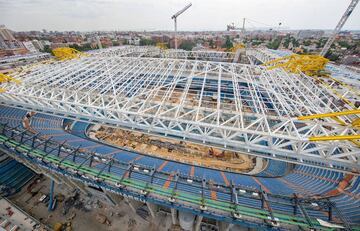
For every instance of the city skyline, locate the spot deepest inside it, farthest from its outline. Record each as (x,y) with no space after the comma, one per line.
(123,15)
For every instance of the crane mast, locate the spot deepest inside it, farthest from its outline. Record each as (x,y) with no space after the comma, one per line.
(338,27)
(175,21)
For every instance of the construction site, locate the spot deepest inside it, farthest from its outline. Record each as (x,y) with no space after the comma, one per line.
(148,138)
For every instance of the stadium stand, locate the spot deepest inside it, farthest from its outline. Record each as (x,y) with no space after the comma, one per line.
(276,178)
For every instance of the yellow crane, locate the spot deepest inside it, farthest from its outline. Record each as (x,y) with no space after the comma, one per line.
(311,65)
(66,53)
(5,79)
(237,46)
(162,46)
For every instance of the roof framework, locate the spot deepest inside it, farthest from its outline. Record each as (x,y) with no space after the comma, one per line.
(216,56)
(237,107)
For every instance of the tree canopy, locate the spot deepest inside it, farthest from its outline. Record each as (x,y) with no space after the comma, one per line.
(228,44)
(187,45)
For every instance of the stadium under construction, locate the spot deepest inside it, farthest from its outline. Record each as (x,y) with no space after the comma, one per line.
(300,130)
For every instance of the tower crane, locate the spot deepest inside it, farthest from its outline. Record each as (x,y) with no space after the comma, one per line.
(233,27)
(338,27)
(175,20)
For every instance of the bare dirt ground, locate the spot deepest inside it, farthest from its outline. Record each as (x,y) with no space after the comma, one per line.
(86,217)
(177,150)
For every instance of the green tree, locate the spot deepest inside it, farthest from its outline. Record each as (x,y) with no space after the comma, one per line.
(344,44)
(332,56)
(287,41)
(47,49)
(274,44)
(211,43)
(146,42)
(116,43)
(307,42)
(187,45)
(83,47)
(295,42)
(255,43)
(321,43)
(228,44)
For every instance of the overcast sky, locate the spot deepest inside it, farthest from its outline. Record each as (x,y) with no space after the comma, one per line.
(85,15)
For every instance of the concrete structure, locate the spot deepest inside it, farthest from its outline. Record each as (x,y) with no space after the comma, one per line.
(18,220)
(306,34)
(6,34)
(38,45)
(30,47)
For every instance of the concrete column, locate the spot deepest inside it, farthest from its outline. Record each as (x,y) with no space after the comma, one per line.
(114,197)
(198,223)
(152,209)
(174,216)
(51,195)
(224,226)
(131,205)
(110,199)
(65,182)
(79,185)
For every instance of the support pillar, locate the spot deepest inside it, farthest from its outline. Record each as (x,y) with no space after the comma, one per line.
(174,216)
(79,186)
(51,195)
(115,198)
(224,226)
(130,204)
(152,209)
(198,223)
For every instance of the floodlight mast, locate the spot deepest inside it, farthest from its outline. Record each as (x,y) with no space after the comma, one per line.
(175,21)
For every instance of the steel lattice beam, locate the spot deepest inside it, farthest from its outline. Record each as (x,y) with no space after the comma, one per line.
(237,107)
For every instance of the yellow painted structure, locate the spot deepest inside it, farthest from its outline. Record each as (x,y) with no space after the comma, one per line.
(310,65)
(334,116)
(66,53)
(237,46)
(328,138)
(162,46)
(314,66)
(336,92)
(5,79)
(331,114)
